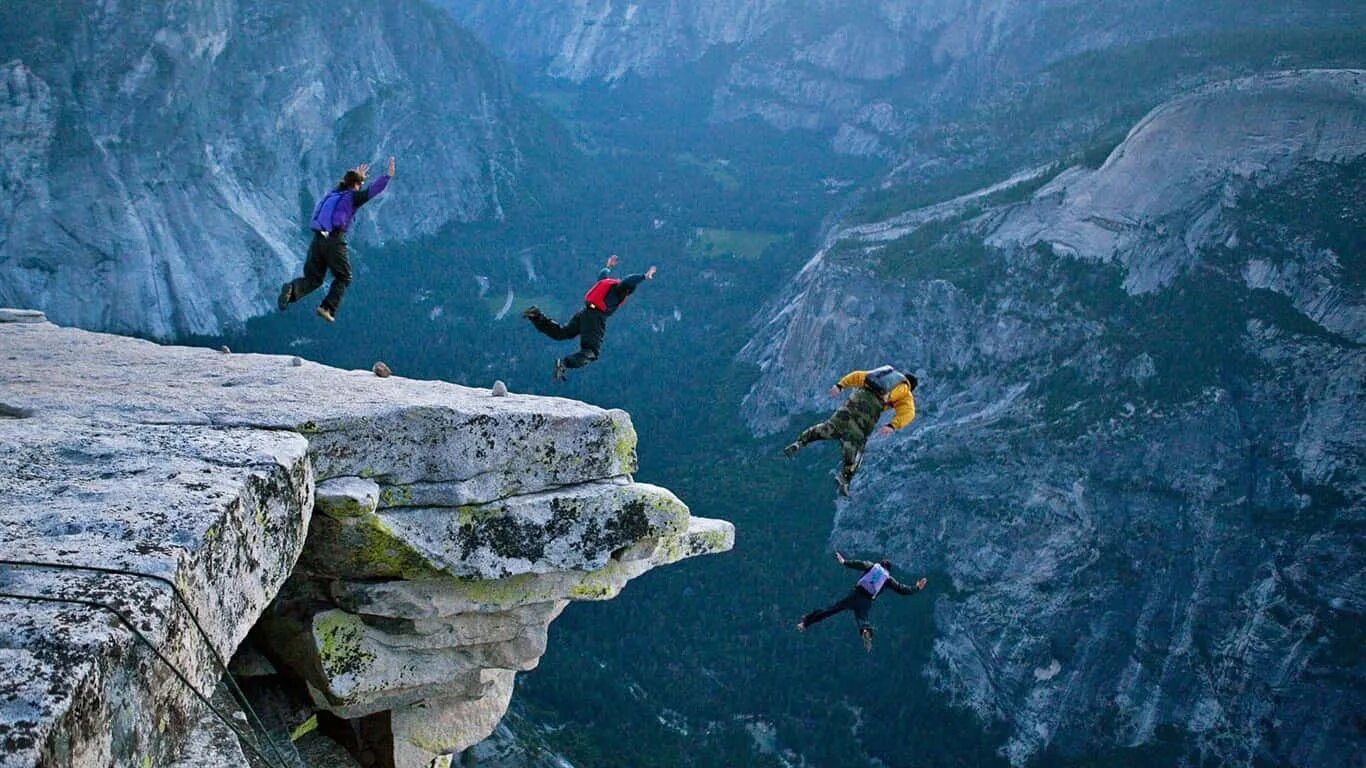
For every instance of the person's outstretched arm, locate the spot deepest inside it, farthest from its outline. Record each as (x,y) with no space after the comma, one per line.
(607,268)
(850,379)
(905,414)
(858,565)
(631,281)
(377,186)
(853,379)
(905,411)
(902,589)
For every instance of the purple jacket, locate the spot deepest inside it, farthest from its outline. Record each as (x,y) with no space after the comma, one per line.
(337,208)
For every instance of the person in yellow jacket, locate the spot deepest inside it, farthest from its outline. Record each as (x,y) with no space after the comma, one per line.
(875,391)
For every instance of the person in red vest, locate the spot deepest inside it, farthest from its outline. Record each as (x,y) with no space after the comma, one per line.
(589,323)
(876,577)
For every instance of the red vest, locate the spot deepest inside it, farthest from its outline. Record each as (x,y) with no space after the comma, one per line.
(597,295)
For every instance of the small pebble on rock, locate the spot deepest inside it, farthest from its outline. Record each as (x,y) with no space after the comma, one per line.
(500,389)
(381,370)
(224,349)
(296,361)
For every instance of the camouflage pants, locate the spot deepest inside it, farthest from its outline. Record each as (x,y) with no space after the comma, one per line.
(851,425)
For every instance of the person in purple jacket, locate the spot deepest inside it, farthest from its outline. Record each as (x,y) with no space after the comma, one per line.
(331,218)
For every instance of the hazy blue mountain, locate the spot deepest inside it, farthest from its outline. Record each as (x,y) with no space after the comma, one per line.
(161,159)
(913,82)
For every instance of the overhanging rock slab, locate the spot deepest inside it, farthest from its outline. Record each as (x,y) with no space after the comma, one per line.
(451,528)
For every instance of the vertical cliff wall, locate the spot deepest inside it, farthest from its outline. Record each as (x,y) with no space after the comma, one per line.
(414,540)
(161,159)
(1139,448)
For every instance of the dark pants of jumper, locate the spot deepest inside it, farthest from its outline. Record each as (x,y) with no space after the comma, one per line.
(323,254)
(588,324)
(851,425)
(858,601)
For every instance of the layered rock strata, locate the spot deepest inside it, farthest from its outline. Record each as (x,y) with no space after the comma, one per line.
(445,530)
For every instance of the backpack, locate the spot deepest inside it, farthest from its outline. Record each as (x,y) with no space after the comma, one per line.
(327,207)
(874,579)
(881,381)
(597,295)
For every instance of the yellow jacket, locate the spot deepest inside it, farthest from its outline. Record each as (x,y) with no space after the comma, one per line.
(899,399)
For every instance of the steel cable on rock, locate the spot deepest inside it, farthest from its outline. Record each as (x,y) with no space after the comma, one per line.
(255,724)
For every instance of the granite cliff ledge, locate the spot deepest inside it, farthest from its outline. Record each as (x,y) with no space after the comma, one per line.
(401,546)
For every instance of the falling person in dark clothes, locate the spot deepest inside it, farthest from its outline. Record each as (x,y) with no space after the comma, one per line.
(876,577)
(589,323)
(331,219)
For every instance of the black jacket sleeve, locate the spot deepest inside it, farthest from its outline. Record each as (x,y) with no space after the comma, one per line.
(362,196)
(899,588)
(618,293)
(858,565)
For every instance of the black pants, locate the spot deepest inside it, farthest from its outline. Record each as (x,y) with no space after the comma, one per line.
(323,254)
(858,601)
(588,324)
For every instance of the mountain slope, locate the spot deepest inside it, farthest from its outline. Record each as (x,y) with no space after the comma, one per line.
(1138,454)
(161,159)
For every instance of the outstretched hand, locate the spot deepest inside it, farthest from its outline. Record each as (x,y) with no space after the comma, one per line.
(839,557)
(921,584)
(390,170)
(885,430)
(363,169)
(835,391)
(611,261)
(650,273)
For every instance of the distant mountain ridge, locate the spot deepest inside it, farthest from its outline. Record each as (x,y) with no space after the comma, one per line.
(161,158)
(875,77)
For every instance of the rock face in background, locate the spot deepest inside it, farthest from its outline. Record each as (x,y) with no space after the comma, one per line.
(1139,455)
(1166,193)
(161,160)
(869,76)
(445,528)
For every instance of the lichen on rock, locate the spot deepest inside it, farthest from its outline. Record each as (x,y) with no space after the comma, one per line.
(451,529)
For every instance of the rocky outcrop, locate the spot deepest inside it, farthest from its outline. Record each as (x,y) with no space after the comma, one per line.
(413,541)
(1164,194)
(161,160)
(1138,455)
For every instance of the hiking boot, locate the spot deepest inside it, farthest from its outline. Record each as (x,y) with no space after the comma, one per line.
(559,374)
(842,485)
(866,635)
(532,311)
(326,314)
(791,449)
(286,296)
